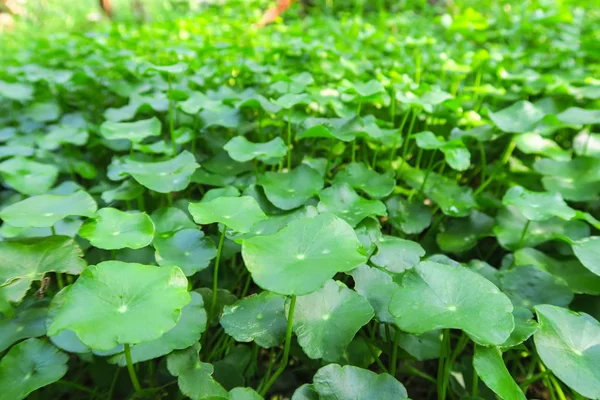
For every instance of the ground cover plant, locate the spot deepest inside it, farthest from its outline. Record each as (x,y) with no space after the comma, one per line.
(375,201)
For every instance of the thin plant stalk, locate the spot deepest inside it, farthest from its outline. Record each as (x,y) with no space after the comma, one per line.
(286,349)
(444,358)
(523,233)
(216,272)
(394,359)
(171,119)
(407,139)
(289,140)
(402,123)
(132,374)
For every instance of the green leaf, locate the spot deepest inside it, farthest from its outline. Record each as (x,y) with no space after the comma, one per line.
(397,255)
(536,206)
(258,318)
(368,89)
(490,367)
(578,278)
(28,366)
(435,296)
(333,382)
(193,376)
(456,154)
(586,143)
(302,256)
(237,213)
(525,326)
(579,116)
(135,132)
(426,101)
(110,302)
(288,190)
(454,200)
(27,176)
(411,217)
(190,326)
(240,393)
(16,91)
(568,344)
(534,143)
(46,210)
(187,249)
(520,117)
(510,224)
(360,177)
(43,112)
(464,233)
(587,250)
(377,287)
(173,69)
(172,175)
(242,150)
(289,100)
(426,346)
(326,321)
(66,339)
(128,190)
(23,261)
(227,191)
(528,286)
(224,298)
(168,220)
(63,135)
(113,229)
(343,201)
(576,180)
(28,322)
(305,392)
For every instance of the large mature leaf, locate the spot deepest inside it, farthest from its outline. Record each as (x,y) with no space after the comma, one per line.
(528,286)
(568,344)
(242,150)
(344,202)
(463,234)
(28,366)
(193,376)
(190,326)
(110,302)
(237,213)
(435,296)
(579,116)
(326,321)
(410,217)
(164,176)
(187,249)
(258,318)
(334,382)
(490,367)
(302,256)
(520,117)
(16,91)
(27,176)
(288,190)
(360,177)
(133,131)
(47,209)
(576,180)
(113,229)
(536,206)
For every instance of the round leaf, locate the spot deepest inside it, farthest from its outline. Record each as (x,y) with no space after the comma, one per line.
(114,229)
(28,366)
(258,318)
(302,256)
(537,206)
(343,201)
(377,287)
(435,296)
(288,190)
(568,345)
(27,322)
(242,150)
(587,251)
(187,249)
(326,321)
(133,131)
(520,117)
(359,177)
(397,255)
(237,213)
(27,176)
(490,367)
(46,210)
(110,303)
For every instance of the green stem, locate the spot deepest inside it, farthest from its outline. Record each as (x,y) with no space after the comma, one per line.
(171,119)
(522,239)
(417,65)
(483,161)
(113,383)
(76,386)
(475,385)
(408,369)
(504,159)
(373,352)
(557,388)
(132,375)
(216,273)
(444,355)
(289,140)
(59,281)
(286,349)
(407,139)
(587,140)
(394,359)
(53,230)
(402,123)
(531,380)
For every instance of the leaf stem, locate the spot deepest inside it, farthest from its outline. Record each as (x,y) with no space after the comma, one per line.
(523,233)
(444,355)
(171,119)
(289,139)
(216,273)
(394,359)
(286,349)
(132,375)
(407,139)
